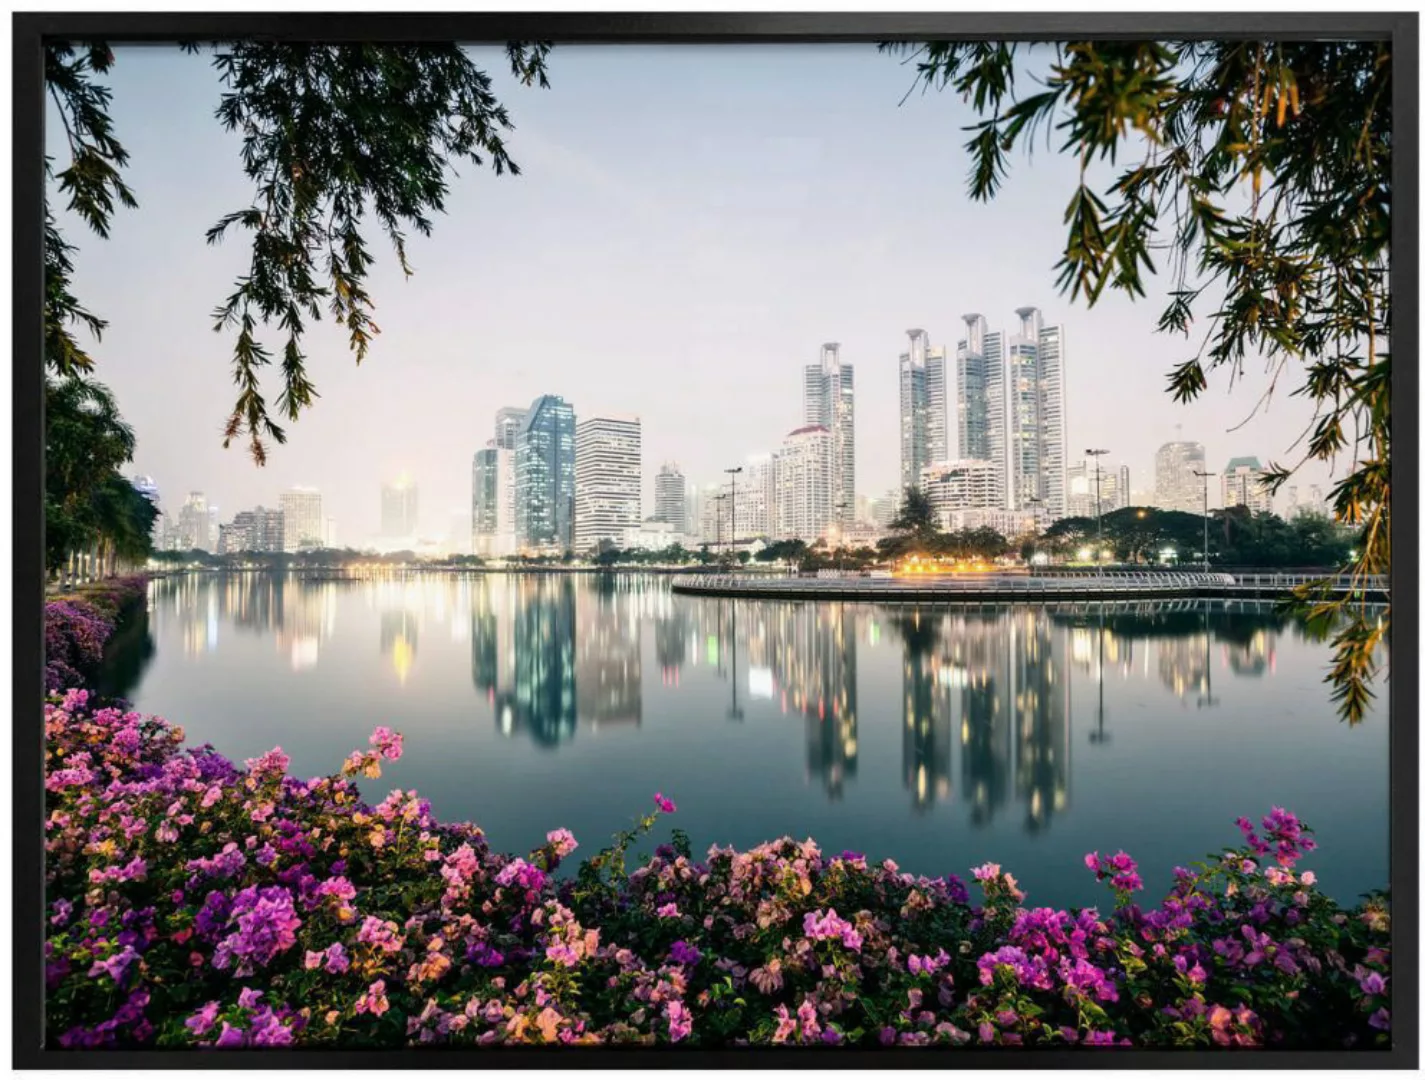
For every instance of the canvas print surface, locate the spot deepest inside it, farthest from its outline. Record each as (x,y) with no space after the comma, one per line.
(711,546)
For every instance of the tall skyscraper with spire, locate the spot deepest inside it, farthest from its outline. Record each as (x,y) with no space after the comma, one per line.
(925,419)
(829,401)
(1010,408)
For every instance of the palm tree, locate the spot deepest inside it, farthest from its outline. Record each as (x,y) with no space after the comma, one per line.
(88,516)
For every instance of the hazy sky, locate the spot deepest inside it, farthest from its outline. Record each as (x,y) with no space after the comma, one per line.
(691,224)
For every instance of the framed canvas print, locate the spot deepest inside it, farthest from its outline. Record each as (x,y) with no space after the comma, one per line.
(722,540)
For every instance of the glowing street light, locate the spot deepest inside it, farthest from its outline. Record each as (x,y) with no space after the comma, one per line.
(1097,500)
(1204,475)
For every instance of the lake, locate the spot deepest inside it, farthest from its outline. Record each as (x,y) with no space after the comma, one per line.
(939,737)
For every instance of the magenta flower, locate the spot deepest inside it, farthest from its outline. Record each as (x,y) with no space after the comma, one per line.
(563,842)
(680,1020)
(665,804)
(202,1021)
(388,743)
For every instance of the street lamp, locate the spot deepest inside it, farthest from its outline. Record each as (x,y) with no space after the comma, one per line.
(1097,503)
(1204,475)
(718,515)
(733,473)
(840,538)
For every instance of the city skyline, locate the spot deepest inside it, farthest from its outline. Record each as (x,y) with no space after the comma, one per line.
(712,357)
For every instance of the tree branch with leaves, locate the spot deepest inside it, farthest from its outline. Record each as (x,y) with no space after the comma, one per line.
(1259,173)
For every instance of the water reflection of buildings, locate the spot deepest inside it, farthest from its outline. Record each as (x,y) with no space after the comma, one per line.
(400,632)
(1253,657)
(805,656)
(522,654)
(1001,684)
(609,670)
(296,614)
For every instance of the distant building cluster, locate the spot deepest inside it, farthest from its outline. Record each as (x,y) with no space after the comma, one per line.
(983,435)
(295,524)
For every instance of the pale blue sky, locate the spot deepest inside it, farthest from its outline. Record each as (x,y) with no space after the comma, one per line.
(692,223)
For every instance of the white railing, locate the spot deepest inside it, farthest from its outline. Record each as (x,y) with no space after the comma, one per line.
(955,586)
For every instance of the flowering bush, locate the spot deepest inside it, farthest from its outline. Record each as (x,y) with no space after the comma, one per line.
(78,625)
(193,902)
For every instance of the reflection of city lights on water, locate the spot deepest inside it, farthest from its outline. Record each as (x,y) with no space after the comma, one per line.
(402,655)
(304,653)
(953,675)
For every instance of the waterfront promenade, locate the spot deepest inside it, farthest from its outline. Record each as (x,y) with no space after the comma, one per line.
(1014,588)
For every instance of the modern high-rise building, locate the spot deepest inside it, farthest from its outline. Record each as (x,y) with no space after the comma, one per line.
(959,485)
(608,480)
(194,524)
(885,509)
(925,419)
(670,497)
(509,422)
(1314,505)
(492,503)
(399,507)
(544,477)
(484,500)
(1091,494)
(1033,410)
(804,493)
(259,530)
(302,519)
(1010,409)
(756,497)
(1242,485)
(829,401)
(1176,486)
(979,371)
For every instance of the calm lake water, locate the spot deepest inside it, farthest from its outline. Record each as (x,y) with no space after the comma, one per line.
(942,738)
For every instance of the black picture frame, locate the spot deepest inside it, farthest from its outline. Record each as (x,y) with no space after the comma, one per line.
(30,30)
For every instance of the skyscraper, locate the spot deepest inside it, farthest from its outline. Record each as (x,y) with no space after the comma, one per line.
(829,401)
(302,519)
(485,500)
(923,408)
(979,362)
(608,480)
(670,497)
(757,497)
(1090,493)
(1032,408)
(399,508)
(1242,485)
(1010,409)
(1176,486)
(193,524)
(509,422)
(804,484)
(544,477)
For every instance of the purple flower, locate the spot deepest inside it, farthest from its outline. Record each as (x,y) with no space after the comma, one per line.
(830,926)
(1371,982)
(666,805)
(1380,1020)
(231,1036)
(683,953)
(264,924)
(201,1022)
